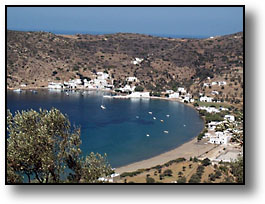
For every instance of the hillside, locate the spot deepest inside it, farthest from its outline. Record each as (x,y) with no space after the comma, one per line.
(35,58)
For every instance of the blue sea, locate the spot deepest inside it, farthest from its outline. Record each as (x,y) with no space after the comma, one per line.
(121,129)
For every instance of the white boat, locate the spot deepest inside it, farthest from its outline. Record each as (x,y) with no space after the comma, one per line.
(162,121)
(102,107)
(184,125)
(154,118)
(150,113)
(147,135)
(17,90)
(67,94)
(107,96)
(137,116)
(165,131)
(168,116)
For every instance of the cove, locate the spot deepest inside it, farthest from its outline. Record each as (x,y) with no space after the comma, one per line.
(126,130)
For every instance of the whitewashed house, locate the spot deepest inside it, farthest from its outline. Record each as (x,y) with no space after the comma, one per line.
(206,84)
(137,61)
(215,93)
(139,95)
(231,118)
(174,95)
(209,109)
(181,89)
(206,99)
(169,91)
(102,76)
(214,83)
(222,83)
(220,138)
(53,85)
(132,79)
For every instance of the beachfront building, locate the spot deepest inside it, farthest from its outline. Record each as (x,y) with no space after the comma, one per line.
(139,95)
(169,91)
(206,99)
(181,90)
(220,138)
(127,88)
(174,95)
(102,76)
(53,85)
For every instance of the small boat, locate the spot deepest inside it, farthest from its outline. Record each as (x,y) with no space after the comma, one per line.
(150,113)
(184,125)
(107,96)
(154,118)
(17,90)
(67,94)
(147,135)
(168,116)
(137,116)
(165,131)
(162,121)
(34,91)
(102,107)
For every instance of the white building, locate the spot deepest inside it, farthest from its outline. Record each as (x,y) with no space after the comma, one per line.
(174,95)
(127,88)
(212,125)
(132,79)
(139,95)
(209,109)
(53,85)
(137,61)
(206,99)
(215,93)
(206,84)
(169,91)
(214,83)
(221,83)
(231,118)
(220,138)
(102,76)
(181,89)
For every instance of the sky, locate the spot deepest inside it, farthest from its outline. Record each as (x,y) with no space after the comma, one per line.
(189,21)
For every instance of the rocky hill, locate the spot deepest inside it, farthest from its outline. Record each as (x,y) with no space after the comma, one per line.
(35,58)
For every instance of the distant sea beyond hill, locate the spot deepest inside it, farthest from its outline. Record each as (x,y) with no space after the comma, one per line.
(104,33)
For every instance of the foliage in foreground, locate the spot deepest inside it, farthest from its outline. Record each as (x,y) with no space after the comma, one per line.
(42,148)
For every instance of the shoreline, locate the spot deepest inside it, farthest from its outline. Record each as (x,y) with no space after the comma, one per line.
(189,149)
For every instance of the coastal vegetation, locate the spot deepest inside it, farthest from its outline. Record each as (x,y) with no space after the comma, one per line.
(42,147)
(192,171)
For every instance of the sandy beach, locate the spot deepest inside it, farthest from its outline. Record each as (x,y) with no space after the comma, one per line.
(187,150)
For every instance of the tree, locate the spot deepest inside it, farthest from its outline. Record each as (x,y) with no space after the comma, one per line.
(182,180)
(42,147)
(139,88)
(237,169)
(168,172)
(206,162)
(194,179)
(150,180)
